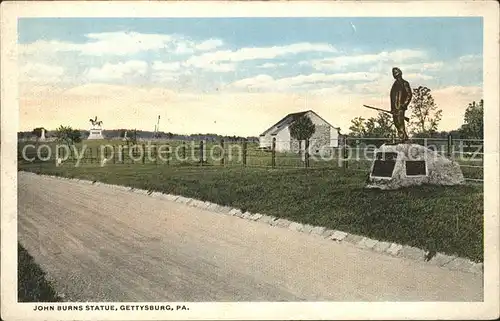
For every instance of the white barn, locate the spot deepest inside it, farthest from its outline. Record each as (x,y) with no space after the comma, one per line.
(325,135)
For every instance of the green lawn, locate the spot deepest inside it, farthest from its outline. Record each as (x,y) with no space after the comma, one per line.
(188,154)
(31,283)
(443,219)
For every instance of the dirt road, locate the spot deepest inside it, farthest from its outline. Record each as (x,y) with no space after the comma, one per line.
(102,244)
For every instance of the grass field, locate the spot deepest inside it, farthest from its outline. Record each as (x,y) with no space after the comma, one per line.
(443,219)
(188,154)
(31,283)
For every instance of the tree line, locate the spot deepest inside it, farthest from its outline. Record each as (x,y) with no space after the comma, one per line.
(424,121)
(65,133)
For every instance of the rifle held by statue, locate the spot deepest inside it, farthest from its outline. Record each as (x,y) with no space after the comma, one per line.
(385,111)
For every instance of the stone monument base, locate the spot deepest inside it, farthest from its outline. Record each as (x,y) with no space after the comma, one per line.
(403,165)
(95,134)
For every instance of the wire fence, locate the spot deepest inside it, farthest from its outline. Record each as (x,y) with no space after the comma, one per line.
(348,153)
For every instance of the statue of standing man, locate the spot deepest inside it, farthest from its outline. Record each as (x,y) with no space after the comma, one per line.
(400,99)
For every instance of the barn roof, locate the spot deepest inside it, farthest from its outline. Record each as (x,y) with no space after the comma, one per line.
(287,120)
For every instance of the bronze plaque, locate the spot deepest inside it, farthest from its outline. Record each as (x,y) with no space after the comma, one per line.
(415,168)
(383,168)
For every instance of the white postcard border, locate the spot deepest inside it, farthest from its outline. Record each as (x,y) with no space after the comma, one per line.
(10,11)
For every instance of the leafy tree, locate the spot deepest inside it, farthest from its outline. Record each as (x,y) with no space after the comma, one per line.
(425,116)
(358,127)
(68,135)
(473,121)
(383,126)
(374,127)
(302,129)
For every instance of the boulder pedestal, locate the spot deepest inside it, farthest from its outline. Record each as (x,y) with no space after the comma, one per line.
(403,165)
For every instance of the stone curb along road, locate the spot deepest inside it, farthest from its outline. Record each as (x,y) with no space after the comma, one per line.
(393,249)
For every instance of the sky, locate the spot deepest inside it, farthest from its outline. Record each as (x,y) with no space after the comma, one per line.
(238,76)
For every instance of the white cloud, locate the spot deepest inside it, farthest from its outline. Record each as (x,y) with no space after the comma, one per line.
(167,71)
(227,67)
(422,67)
(105,43)
(417,76)
(209,44)
(41,73)
(118,71)
(271,65)
(120,43)
(45,47)
(408,69)
(166,66)
(123,43)
(244,54)
(184,48)
(268,82)
(385,57)
(470,58)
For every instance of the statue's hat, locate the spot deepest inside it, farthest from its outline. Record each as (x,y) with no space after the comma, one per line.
(396,70)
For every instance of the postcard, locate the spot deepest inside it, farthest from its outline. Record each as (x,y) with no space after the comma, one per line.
(249,160)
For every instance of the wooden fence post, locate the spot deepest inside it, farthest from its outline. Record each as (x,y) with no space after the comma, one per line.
(143,153)
(245,152)
(345,154)
(306,153)
(201,153)
(91,156)
(273,153)
(123,156)
(222,151)
(183,149)
(450,146)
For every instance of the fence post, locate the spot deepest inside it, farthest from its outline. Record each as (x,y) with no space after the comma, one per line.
(201,152)
(245,152)
(273,153)
(122,154)
(143,153)
(450,145)
(91,156)
(169,154)
(306,153)
(222,151)
(345,154)
(183,149)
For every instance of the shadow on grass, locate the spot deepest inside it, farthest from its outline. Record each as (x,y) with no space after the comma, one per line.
(31,283)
